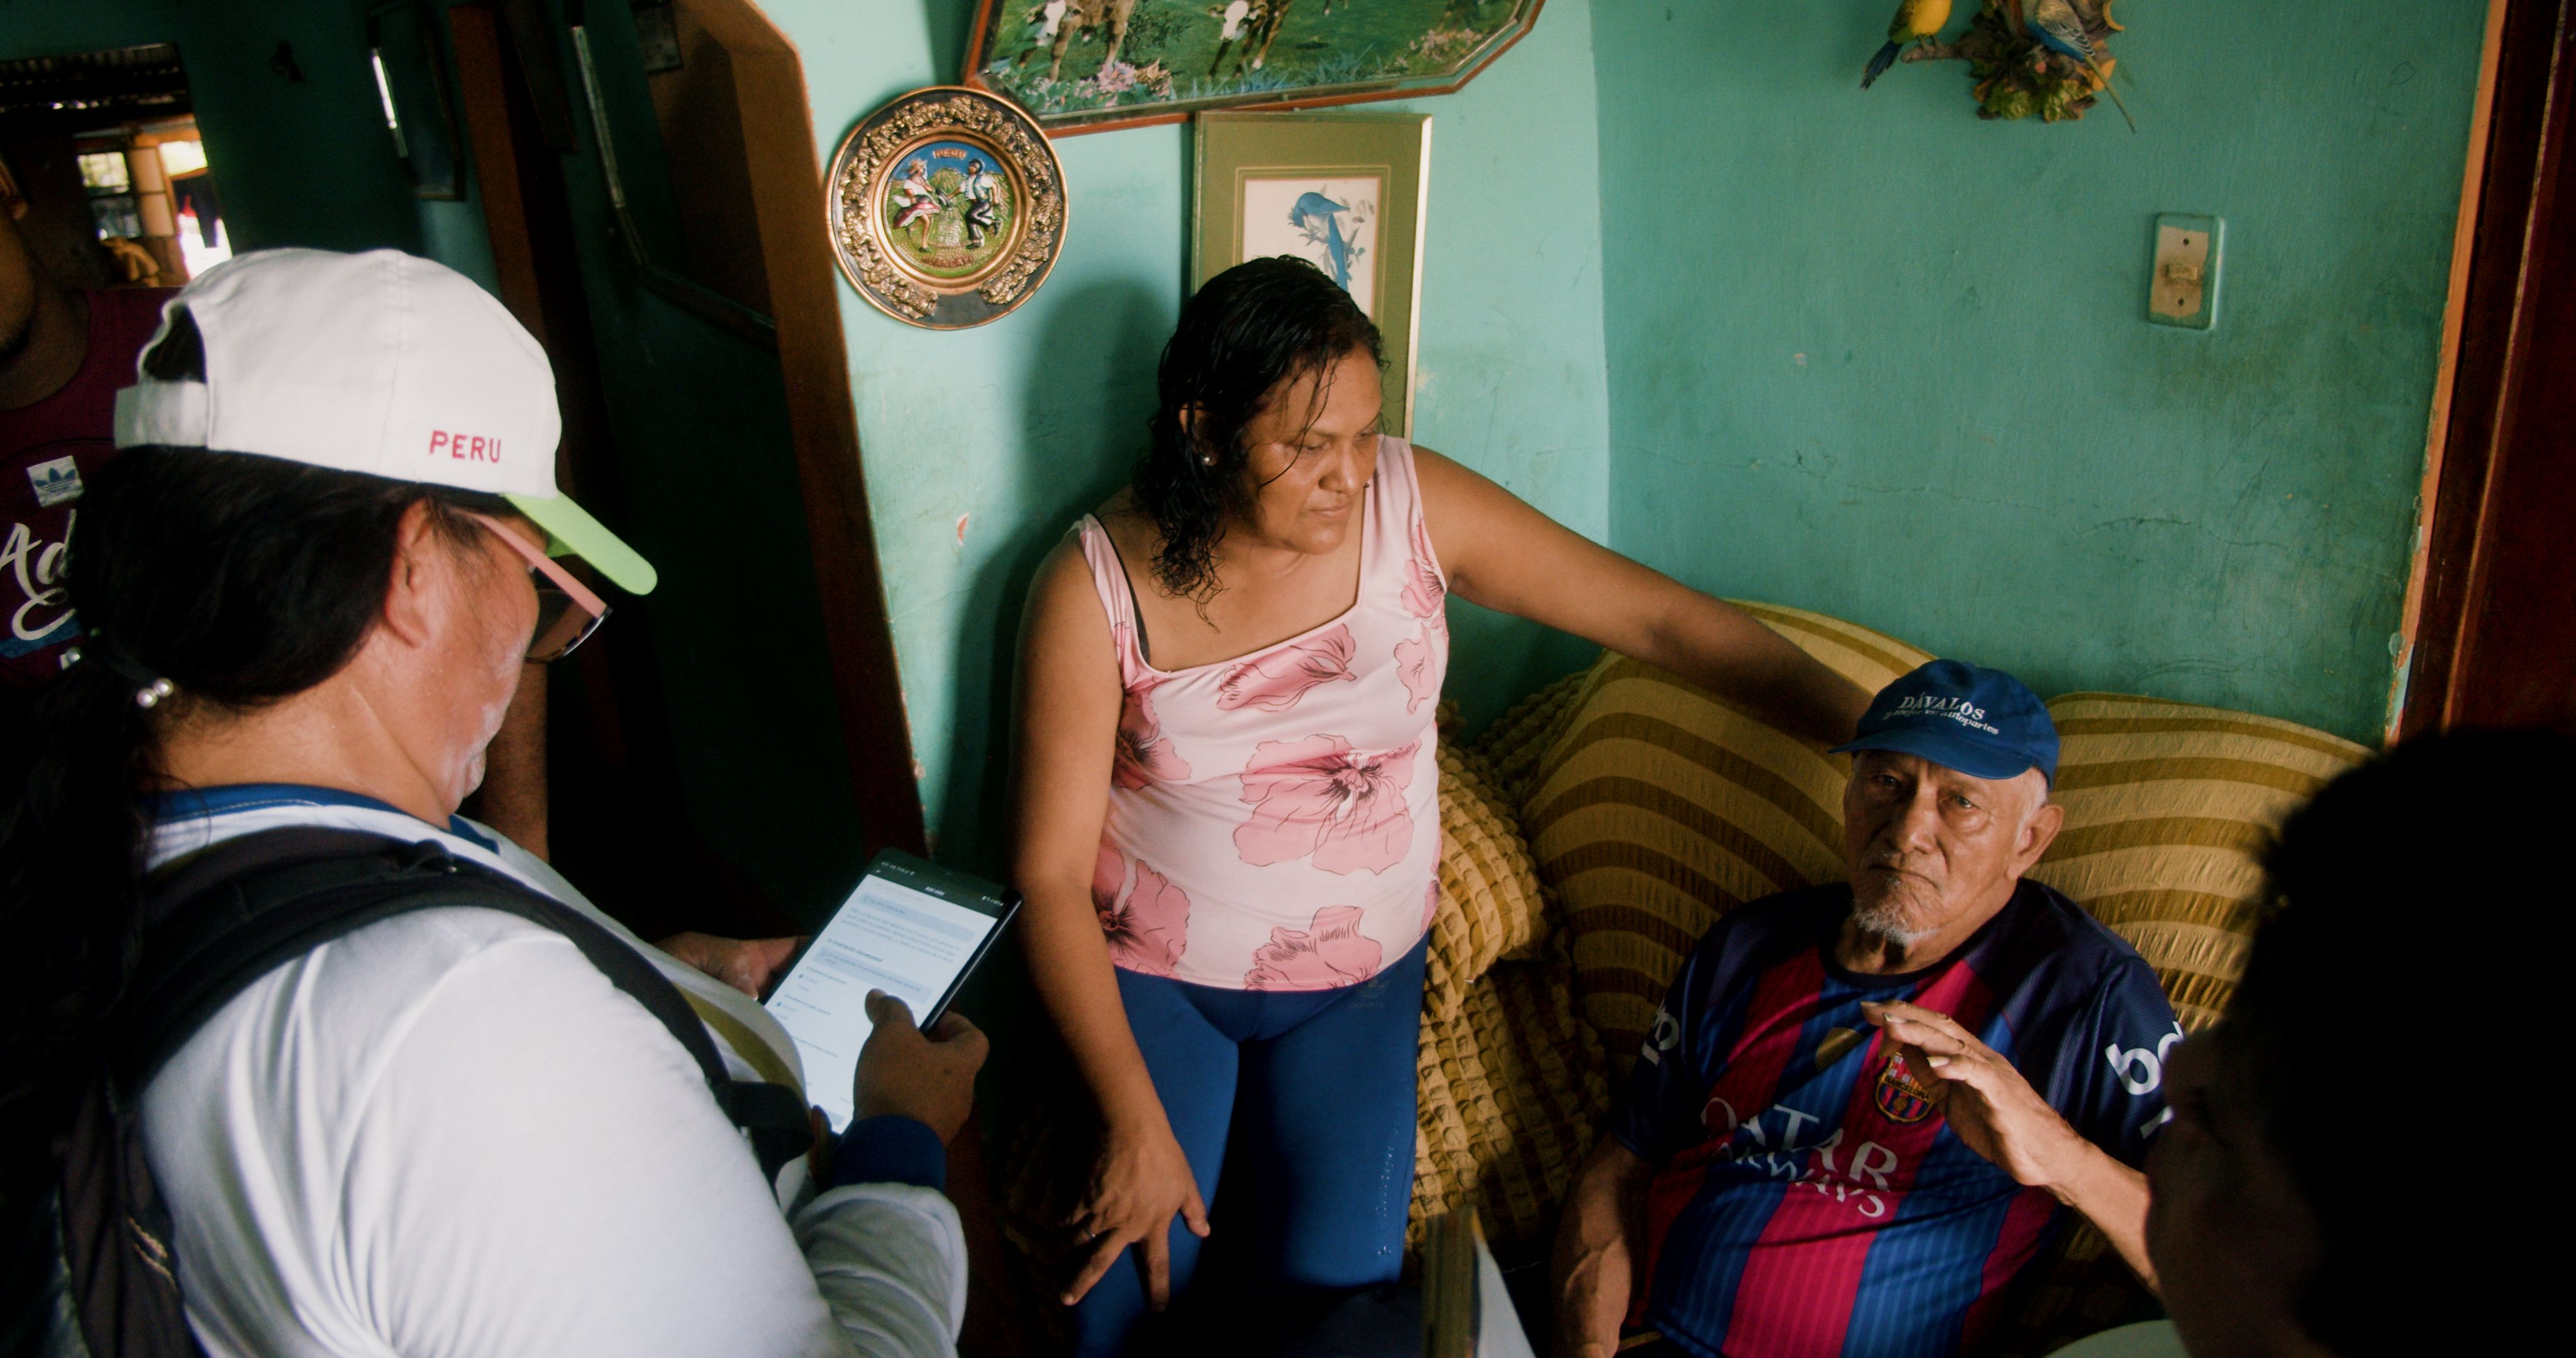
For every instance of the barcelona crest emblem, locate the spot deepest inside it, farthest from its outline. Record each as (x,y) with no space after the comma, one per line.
(1898,1095)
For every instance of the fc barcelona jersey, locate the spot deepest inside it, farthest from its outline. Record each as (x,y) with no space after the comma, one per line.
(1809,1198)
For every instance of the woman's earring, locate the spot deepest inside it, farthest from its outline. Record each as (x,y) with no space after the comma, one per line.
(1207,460)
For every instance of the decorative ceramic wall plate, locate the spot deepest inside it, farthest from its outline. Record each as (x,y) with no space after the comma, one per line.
(946,208)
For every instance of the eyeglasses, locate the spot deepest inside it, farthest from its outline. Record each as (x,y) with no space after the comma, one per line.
(567,611)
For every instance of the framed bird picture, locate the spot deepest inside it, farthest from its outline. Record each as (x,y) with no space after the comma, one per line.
(1348,194)
(1086,65)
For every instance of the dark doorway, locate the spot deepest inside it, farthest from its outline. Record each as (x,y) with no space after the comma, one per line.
(608,775)
(102,166)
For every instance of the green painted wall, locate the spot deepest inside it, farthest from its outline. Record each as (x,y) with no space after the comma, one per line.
(1871,355)
(982,446)
(1863,353)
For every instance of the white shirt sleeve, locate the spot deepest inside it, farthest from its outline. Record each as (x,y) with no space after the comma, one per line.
(450,1135)
(891,1262)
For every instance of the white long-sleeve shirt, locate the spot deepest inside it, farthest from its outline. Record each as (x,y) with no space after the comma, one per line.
(449,1134)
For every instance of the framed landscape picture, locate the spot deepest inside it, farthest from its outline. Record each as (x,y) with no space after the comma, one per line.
(1348,194)
(1085,65)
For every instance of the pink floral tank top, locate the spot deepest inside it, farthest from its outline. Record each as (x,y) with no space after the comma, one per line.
(1274,820)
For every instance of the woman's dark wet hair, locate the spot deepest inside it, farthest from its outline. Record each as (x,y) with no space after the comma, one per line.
(1250,331)
(239,579)
(2391,1023)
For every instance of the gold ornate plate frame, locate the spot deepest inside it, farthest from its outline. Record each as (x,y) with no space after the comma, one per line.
(946,208)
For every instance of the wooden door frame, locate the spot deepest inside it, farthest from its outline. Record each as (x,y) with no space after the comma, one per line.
(787,197)
(2518,144)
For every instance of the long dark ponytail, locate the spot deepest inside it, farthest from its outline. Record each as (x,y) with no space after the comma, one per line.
(240,580)
(1248,332)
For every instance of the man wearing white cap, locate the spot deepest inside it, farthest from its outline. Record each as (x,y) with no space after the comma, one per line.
(378,363)
(311,582)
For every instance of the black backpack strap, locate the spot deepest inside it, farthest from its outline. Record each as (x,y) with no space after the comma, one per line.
(220,921)
(114,1235)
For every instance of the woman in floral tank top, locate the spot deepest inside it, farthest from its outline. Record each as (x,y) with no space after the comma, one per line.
(1228,793)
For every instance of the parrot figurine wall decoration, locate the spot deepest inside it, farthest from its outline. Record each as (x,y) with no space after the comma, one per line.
(2055,26)
(1916,21)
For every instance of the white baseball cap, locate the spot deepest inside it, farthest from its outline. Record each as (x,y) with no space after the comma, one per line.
(381,363)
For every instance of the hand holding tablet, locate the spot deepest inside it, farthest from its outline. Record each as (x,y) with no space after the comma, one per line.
(911,929)
(928,1077)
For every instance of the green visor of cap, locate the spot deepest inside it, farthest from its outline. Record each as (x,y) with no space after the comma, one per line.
(573,531)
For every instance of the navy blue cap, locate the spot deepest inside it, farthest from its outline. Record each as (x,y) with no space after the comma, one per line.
(1982,722)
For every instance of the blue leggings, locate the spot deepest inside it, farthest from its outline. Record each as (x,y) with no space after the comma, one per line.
(1322,1084)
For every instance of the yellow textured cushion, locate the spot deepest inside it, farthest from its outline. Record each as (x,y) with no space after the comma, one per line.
(1661,806)
(1490,905)
(2168,807)
(1510,1080)
(1512,1097)
(1513,746)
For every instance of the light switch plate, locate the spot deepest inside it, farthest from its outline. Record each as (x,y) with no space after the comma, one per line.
(2183,279)
(2182,286)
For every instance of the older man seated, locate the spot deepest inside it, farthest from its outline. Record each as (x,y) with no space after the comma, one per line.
(1865,1107)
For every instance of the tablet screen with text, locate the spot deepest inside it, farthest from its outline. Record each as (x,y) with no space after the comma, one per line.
(913,930)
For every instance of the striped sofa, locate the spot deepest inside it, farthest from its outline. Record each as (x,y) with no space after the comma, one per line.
(1597,830)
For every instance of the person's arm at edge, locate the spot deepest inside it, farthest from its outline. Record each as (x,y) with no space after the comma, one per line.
(1593,1268)
(1067,718)
(890,1260)
(1601,1243)
(1499,552)
(1069,701)
(2113,1197)
(2100,1182)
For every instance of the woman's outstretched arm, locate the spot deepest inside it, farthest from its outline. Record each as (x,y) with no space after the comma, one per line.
(1069,701)
(1499,552)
